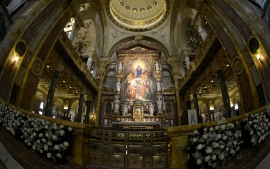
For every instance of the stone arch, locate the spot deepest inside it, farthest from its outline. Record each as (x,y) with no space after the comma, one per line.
(34,21)
(39,98)
(145,39)
(227,39)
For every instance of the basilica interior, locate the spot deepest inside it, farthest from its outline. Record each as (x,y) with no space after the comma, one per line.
(135,84)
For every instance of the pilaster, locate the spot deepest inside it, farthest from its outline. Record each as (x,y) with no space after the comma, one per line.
(103,62)
(177,76)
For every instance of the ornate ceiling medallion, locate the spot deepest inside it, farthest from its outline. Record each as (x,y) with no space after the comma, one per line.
(138,15)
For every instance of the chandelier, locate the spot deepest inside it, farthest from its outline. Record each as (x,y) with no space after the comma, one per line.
(193,43)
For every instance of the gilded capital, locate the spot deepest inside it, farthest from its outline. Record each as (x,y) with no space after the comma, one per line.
(103,62)
(176,67)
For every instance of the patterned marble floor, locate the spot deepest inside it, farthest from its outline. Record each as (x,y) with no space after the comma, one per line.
(265,163)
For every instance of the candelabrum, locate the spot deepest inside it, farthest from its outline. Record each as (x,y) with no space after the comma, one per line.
(193,43)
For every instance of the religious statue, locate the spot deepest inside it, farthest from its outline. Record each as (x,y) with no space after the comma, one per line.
(118,86)
(120,66)
(72,116)
(89,62)
(116,105)
(138,115)
(125,110)
(151,109)
(159,103)
(157,66)
(158,86)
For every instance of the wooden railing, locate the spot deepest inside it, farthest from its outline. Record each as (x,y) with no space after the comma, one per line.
(128,148)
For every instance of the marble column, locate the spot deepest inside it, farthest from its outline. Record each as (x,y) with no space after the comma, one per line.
(196,106)
(175,114)
(48,110)
(188,104)
(225,95)
(88,104)
(183,108)
(79,113)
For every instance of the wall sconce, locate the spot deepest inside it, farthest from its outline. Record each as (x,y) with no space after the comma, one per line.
(92,116)
(259,57)
(15,60)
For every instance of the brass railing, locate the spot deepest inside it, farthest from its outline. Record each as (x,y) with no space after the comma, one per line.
(128,148)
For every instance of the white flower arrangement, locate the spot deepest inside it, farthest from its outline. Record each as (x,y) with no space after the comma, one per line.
(214,146)
(256,127)
(44,137)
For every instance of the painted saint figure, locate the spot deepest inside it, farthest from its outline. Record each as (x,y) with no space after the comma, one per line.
(143,89)
(138,71)
(133,90)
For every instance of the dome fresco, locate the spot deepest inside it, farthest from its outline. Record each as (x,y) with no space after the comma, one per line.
(137,15)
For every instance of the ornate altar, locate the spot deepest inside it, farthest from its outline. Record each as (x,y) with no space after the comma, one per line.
(138,95)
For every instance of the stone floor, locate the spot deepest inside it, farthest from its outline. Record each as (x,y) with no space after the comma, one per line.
(265,163)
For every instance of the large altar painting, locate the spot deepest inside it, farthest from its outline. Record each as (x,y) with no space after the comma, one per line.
(138,81)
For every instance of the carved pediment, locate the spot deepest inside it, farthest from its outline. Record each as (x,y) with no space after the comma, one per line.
(138,48)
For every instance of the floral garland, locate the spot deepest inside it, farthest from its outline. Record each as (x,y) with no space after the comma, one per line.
(42,136)
(256,127)
(214,146)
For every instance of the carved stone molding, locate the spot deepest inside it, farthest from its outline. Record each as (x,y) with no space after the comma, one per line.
(176,67)
(103,62)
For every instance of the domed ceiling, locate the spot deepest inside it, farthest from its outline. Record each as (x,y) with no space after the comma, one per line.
(137,15)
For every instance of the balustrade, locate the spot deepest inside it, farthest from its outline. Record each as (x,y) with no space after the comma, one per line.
(77,59)
(199,58)
(132,148)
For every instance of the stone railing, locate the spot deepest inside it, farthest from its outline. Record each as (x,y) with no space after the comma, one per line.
(199,58)
(80,134)
(77,59)
(182,138)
